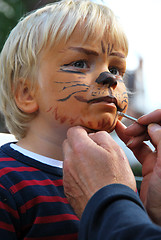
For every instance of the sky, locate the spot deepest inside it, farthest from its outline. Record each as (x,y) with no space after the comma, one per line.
(141,20)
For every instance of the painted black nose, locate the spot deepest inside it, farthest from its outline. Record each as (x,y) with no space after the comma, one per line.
(106,78)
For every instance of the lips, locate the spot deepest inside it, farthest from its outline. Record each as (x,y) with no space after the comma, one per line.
(104,99)
(108,99)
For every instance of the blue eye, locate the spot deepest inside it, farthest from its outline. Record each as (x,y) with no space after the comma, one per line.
(114,71)
(80,64)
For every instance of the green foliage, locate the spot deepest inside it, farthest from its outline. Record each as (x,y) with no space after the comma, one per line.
(10,12)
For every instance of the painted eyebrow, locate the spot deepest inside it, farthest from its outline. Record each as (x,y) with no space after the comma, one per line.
(117,54)
(84,50)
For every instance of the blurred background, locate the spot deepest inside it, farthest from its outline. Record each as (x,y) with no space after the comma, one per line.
(141,22)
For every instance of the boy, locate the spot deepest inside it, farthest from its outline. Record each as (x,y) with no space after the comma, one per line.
(61,66)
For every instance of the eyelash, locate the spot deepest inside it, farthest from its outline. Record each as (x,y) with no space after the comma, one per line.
(120,70)
(79,61)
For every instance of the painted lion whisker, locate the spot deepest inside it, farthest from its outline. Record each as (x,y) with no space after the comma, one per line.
(66,98)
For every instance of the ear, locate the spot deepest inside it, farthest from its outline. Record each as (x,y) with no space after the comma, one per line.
(25,97)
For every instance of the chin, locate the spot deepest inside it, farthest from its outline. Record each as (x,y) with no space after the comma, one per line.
(109,128)
(102,125)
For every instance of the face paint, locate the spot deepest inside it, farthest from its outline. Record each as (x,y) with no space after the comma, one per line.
(81,84)
(103,47)
(70,71)
(109,49)
(108,99)
(107,78)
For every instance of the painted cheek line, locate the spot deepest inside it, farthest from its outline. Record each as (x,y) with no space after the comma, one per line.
(113,122)
(76,85)
(124,101)
(49,109)
(125,97)
(94,94)
(63,119)
(90,124)
(57,117)
(70,71)
(55,112)
(68,82)
(72,121)
(64,99)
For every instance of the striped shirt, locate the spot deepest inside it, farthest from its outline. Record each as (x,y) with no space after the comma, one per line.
(32,201)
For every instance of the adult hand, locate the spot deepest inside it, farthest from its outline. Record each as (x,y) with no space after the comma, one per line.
(134,136)
(90,163)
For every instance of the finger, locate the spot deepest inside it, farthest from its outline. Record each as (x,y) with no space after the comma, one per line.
(135,129)
(135,141)
(77,136)
(103,139)
(82,147)
(141,151)
(120,130)
(153,117)
(66,148)
(154,131)
(155,134)
(75,132)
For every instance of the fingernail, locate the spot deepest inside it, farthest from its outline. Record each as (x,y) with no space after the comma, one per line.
(129,142)
(154,127)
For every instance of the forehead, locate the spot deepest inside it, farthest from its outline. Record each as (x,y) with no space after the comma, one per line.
(92,39)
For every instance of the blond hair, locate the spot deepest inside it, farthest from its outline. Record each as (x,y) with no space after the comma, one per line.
(42,28)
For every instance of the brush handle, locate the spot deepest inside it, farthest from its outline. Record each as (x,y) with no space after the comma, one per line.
(127,116)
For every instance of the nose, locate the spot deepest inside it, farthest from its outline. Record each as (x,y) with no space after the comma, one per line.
(106,78)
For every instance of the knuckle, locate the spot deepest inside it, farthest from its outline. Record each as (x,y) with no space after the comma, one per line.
(102,134)
(158,111)
(77,147)
(69,132)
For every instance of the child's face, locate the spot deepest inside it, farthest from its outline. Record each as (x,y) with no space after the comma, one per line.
(81,84)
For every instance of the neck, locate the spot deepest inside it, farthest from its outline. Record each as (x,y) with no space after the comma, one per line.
(49,146)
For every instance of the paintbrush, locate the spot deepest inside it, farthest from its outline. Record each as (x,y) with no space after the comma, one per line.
(127,116)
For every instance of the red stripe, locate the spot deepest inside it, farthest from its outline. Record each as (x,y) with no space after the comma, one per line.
(9,209)
(73,236)
(2,186)
(55,218)
(6,226)
(41,199)
(26,183)
(6,159)
(18,169)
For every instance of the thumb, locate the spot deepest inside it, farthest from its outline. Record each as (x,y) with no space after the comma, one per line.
(154,131)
